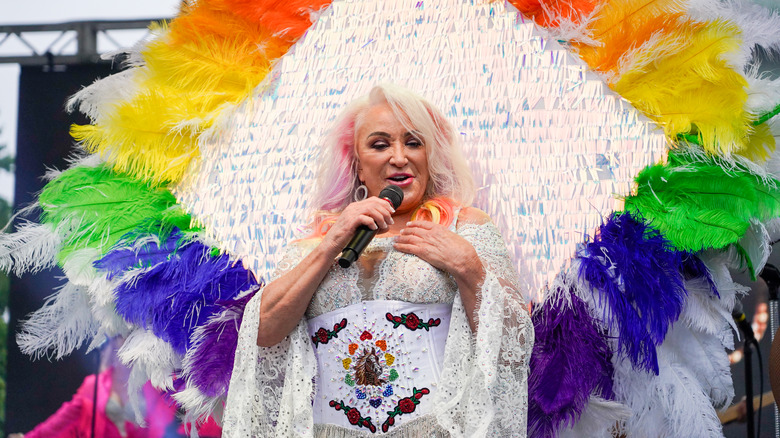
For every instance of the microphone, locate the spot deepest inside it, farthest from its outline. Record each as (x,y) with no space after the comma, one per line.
(363,235)
(739,317)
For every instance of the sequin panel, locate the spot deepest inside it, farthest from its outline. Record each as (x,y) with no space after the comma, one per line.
(550,146)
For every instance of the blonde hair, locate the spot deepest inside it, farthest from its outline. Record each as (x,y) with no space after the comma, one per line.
(449,175)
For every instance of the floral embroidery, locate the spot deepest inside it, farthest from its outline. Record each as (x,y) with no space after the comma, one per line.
(411,321)
(322,336)
(353,415)
(405,406)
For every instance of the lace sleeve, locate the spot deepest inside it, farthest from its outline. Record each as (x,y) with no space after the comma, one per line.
(484,387)
(270,388)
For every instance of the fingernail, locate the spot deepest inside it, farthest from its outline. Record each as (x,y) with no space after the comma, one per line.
(408,224)
(391,221)
(374,227)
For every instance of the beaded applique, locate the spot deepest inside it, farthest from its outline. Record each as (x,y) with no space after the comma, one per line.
(406,405)
(353,415)
(412,321)
(322,336)
(371,376)
(369,369)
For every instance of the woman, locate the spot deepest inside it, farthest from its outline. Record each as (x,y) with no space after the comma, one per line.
(425,335)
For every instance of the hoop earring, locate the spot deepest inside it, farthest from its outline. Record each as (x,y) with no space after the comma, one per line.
(361,193)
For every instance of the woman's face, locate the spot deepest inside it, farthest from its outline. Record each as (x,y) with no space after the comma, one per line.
(388,153)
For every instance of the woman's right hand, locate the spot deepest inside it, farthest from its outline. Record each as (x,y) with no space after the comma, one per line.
(375,213)
(284,300)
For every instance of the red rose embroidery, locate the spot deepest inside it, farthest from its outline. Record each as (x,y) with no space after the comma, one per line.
(412,321)
(406,405)
(322,336)
(353,416)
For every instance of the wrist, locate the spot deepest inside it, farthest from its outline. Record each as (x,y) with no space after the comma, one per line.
(471,274)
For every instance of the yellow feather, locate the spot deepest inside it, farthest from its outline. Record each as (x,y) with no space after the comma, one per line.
(684,84)
(760,144)
(208,58)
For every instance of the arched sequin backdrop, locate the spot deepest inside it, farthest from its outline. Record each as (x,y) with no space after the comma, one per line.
(550,146)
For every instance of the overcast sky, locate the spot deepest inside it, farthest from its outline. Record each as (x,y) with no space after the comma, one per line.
(51,11)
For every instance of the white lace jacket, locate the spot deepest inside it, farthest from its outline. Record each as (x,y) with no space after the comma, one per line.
(483,389)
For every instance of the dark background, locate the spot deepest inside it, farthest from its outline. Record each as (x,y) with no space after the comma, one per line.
(36,389)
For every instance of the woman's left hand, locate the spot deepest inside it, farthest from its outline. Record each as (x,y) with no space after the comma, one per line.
(442,249)
(449,252)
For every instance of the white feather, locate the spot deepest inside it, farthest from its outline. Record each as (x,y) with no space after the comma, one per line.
(773,162)
(671,404)
(736,163)
(718,265)
(101,292)
(703,311)
(706,358)
(79,266)
(79,158)
(150,356)
(135,396)
(598,420)
(32,248)
(755,242)
(97,99)
(759,25)
(197,406)
(149,359)
(62,325)
(763,92)
(773,229)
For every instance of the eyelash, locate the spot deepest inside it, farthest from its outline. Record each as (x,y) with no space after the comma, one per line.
(414,143)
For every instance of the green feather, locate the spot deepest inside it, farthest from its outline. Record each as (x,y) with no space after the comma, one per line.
(94,207)
(699,205)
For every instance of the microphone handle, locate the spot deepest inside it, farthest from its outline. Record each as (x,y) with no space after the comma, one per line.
(355,247)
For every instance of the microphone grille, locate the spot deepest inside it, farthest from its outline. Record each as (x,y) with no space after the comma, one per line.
(394,194)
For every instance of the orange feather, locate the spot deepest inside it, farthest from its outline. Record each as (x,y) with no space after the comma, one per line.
(620,27)
(550,13)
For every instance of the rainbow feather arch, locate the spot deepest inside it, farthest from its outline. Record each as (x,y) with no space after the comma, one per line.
(155,253)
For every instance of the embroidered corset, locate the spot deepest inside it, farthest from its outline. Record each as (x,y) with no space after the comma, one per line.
(378,363)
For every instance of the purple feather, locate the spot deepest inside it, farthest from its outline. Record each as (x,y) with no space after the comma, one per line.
(571,361)
(637,274)
(174,297)
(209,362)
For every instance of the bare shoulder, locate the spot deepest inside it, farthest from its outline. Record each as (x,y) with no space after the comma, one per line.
(472,216)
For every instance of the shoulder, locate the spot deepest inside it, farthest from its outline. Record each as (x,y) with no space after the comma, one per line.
(472,216)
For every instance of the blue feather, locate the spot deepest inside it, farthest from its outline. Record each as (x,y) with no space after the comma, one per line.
(638,276)
(128,255)
(173,297)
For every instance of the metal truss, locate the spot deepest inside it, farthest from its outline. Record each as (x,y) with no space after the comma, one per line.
(65,43)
